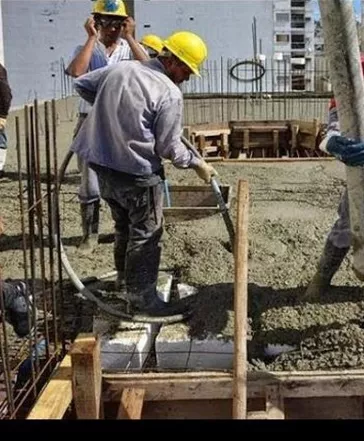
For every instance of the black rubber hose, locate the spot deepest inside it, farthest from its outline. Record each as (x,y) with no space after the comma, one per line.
(249,63)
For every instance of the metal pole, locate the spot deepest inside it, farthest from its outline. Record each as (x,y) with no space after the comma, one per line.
(342,51)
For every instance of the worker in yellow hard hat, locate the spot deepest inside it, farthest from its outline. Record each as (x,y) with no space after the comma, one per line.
(152,44)
(136,122)
(110,39)
(339,240)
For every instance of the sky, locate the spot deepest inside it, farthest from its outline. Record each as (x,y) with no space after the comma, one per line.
(356,7)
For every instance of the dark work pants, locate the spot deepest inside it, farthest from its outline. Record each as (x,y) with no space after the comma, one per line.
(138,215)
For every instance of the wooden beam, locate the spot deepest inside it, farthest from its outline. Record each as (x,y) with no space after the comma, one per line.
(131,405)
(57,395)
(86,376)
(268,160)
(241,303)
(207,385)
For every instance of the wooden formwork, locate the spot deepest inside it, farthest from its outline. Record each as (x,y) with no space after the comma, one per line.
(209,138)
(94,394)
(257,139)
(193,202)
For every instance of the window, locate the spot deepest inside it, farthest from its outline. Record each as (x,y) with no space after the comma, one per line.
(282,17)
(282,38)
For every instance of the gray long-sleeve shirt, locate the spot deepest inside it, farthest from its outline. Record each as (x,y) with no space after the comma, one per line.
(136,119)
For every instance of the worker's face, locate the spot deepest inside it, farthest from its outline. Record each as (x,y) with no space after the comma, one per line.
(179,72)
(110,27)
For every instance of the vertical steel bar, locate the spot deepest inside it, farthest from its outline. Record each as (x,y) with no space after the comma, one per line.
(22,208)
(57,221)
(32,211)
(39,212)
(50,223)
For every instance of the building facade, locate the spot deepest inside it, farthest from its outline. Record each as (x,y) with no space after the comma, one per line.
(39,37)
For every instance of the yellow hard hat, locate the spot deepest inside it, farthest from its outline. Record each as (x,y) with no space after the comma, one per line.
(110,7)
(189,48)
(152,41)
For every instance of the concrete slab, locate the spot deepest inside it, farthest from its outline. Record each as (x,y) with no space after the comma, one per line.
(176,349)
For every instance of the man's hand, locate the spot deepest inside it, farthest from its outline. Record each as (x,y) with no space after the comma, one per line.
(127,28)
(90,27)
(2,123)
(205,171)
(346,150)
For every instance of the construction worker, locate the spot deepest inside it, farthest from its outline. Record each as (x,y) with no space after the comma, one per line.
(338,242)
(5,102)
(152,44)
(131,127)
(110,39)
(17,303)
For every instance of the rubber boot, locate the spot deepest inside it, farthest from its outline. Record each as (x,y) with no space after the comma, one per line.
(141,282)
(330,261)
(90,215)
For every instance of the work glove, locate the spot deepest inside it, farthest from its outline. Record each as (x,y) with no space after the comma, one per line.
(205,171)
(346,150)
(2,123)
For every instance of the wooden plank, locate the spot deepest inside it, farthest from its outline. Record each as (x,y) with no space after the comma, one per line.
(274,403)
(86,376)
(190,410)
(246,139)
(269,160)
(131,405)
(57,395)
(201,144)
(324,408)
(257,415)
(211,133)
(241,302)
(205,385)
(276,142)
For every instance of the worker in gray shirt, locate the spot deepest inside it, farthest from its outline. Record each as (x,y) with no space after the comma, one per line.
(135,121)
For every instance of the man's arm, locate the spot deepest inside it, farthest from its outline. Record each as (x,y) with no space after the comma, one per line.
(87,85)
(333,126)
(349,151)
(128,34)
(81,61)
(167,132)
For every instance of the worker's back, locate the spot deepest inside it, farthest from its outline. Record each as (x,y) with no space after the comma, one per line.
(119,132)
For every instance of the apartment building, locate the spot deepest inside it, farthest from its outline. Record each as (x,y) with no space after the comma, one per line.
(294,44)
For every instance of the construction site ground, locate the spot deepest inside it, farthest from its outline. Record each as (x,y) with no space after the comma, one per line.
(292,208)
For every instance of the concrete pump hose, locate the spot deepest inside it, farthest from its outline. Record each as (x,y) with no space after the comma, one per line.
(81,288)
(342,50)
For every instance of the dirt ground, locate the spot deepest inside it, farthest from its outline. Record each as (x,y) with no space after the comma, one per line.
(292,207)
